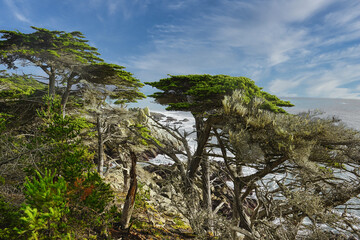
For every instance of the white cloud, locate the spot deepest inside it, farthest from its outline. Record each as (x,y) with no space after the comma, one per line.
(341,25)
(331,89)
(264,38)
(176,5)
(173,58)
(167,28)
(347,17)
(284,87)
(19,15)
(345,54)
(126,8)
(292,47)
(179,4)
(271,30)
(331,83)
(113,5)
(295,11)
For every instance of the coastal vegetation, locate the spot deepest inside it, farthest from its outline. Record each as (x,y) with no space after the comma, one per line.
(70,161)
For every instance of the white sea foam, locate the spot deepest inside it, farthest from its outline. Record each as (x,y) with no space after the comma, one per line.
(185,122)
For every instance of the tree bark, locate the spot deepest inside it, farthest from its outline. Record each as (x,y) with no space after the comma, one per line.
(100,145)
(203,133)
(238,212)
(52,80)
(130,197)
(206,192)
(65,98)
(126,175)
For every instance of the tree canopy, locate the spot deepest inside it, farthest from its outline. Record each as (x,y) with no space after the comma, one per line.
(66,58)
(125,86)
(199,93)
(204,93)
(46,48)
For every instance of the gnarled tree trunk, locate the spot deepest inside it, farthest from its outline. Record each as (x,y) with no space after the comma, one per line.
(100,145)
(203,133)
(238,212)
(206,192)
(130,197)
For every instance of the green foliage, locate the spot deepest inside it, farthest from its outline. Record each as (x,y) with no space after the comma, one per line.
(45,208)
(142,196)
(71,158)
(87,196)
(15,86)
(309,156)
(4,118)
(60,135)
(57,53)
(126,87)
(91,191)
(57,127)
(145,133)
(180,224)
(44,193)
(46,46)
(89,201)
(200,93)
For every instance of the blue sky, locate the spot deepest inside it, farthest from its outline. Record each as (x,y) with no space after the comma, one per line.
(304,48)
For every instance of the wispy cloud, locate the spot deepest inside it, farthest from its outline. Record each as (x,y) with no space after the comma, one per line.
(284,87)
(18,14)
(258,32)
(270,29)
(348,17)
(179,4)
(291,47)
(333,82)
(126,8)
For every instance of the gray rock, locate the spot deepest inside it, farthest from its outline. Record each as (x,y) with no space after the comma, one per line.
(170,119)
(157,116)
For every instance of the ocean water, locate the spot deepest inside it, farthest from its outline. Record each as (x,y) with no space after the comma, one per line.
(348,110)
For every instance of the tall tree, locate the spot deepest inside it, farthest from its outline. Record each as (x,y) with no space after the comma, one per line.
(202,96)
(55,52)
(66,58)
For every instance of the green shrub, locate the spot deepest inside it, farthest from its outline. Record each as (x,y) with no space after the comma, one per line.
(90,199)
(58,137)
(45,208)
(70,199)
